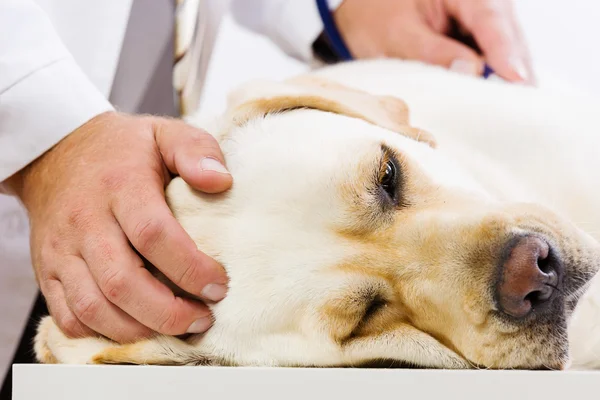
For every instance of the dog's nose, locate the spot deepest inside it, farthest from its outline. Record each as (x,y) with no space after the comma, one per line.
(529,277)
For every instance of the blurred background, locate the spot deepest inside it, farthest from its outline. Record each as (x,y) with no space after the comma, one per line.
(562,34)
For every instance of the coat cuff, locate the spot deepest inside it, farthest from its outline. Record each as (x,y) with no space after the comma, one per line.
(292,24)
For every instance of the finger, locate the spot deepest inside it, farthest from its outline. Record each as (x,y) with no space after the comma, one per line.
(125,282)
(157,235)
(91,307)
(497,33)
(525,54)
(192,154)
(147,221)
(434,48)
(59,310)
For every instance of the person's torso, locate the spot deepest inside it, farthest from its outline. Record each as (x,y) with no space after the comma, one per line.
(120,44)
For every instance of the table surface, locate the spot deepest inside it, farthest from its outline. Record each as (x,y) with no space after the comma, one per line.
(66,382)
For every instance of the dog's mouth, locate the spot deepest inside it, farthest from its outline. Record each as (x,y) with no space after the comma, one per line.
(389,364)
(542,341)
(580,284)
(539,284)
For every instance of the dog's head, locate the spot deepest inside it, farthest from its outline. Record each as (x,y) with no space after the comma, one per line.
(349,239)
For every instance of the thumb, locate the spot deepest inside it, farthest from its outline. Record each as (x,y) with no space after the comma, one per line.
(435,48)
(193,154)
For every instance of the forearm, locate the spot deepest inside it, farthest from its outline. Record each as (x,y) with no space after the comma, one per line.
(44,95)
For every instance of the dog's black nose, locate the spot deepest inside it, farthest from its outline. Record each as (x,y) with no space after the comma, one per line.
(529,276)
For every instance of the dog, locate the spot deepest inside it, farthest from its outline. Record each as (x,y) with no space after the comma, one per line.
(462,237)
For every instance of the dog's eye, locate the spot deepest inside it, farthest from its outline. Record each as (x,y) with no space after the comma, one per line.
(388,179)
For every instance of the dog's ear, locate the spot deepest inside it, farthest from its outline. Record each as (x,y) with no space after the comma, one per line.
(258,99)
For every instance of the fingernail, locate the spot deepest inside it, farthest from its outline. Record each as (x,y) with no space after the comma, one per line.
(465,67)
(214,292)
(518,66)
(201,325)
(212,164)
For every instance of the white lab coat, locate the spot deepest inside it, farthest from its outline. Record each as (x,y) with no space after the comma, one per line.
(58,60)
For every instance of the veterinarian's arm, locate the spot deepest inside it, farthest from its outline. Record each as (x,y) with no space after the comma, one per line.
(423,30)
(408,29)
(97,193)
(43,93)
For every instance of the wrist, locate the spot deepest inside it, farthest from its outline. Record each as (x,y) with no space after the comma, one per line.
(24,184)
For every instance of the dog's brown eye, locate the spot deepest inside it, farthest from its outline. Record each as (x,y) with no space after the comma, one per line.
(388,179)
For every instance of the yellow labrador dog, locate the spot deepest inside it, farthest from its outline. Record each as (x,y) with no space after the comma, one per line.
(463,238)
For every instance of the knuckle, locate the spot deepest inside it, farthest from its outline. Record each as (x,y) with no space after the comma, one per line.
(204,141)
(104,249)
(147,234)
(43,273)
(113,181)
(53,245)
(87,308)
(47,264)
(70,325)
(169,321)
(78,217)
(114,285)
(189,276)
(42,261)
(195,133)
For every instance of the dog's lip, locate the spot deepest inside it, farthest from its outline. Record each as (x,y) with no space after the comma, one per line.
(574,294)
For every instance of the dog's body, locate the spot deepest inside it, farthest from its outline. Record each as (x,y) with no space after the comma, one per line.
(334,261)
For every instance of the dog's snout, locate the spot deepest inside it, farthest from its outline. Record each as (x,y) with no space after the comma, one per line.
(529,277)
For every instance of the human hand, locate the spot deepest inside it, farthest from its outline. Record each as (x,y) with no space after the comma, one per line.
(422,29)
(102,188)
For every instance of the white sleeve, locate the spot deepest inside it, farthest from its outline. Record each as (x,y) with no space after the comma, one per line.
(44,95)
(292,24)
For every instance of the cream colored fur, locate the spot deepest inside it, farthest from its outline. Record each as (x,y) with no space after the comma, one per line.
(306,251)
